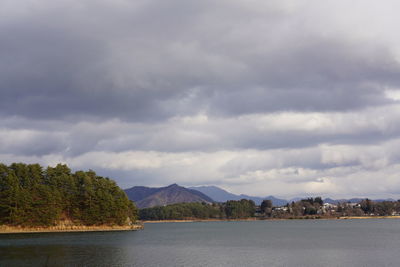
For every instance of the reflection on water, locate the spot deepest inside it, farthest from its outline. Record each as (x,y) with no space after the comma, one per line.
(260,243)
(61,249)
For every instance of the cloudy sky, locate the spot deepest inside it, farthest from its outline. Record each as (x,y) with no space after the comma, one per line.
(279,97)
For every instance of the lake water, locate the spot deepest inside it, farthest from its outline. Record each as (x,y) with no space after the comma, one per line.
(372,242)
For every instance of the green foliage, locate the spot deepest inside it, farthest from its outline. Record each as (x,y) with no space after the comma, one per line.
(311,205)
(181,211)
(367,206)
(313,201)
(240,209)
(31,196)
(231,210)
(266,207)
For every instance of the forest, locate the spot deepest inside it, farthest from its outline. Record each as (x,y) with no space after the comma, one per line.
(231,209)
(33,196)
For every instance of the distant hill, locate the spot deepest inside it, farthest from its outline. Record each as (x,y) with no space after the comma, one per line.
(138,193)
(221,195)
(216,193)
(146,197)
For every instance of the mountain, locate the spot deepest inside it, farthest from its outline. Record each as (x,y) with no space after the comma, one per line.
(353,200)
(137,193)
(146,197)
(277,201)
(221,195)
(216,193)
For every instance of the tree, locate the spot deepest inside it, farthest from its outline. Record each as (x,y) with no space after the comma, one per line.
(9,196)
(367,206)
(266,207)
(239,209)
(319,201)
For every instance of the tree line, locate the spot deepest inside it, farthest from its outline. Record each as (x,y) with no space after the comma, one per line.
(33,196)
(229,210)
(242,209)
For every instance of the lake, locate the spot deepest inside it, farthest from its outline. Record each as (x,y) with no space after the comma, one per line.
(368,242)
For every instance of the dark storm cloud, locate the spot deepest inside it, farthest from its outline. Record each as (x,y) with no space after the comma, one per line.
(153,60)
(265,96)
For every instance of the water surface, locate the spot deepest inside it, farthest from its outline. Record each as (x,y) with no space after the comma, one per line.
(372,242)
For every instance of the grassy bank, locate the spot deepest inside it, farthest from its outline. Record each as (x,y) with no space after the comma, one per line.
(6,229)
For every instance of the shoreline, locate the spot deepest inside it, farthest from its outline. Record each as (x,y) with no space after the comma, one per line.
(369,217)
(6,229)
(272,219)
(202,220)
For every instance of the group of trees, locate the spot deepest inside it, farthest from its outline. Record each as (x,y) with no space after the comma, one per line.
(33,196)
(181,211)
(381,208)
(304,207)
(229,210)
(239,209)
(315,206)
(309,206)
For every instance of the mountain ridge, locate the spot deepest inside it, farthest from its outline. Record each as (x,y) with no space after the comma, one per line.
(146,197)
(221,195)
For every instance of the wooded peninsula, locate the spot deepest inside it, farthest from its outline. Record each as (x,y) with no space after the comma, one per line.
(31,196)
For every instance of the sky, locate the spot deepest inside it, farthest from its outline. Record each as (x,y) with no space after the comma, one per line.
(280,97)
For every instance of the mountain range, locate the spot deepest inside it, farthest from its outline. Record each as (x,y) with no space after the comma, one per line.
(145,197)
(221,195)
